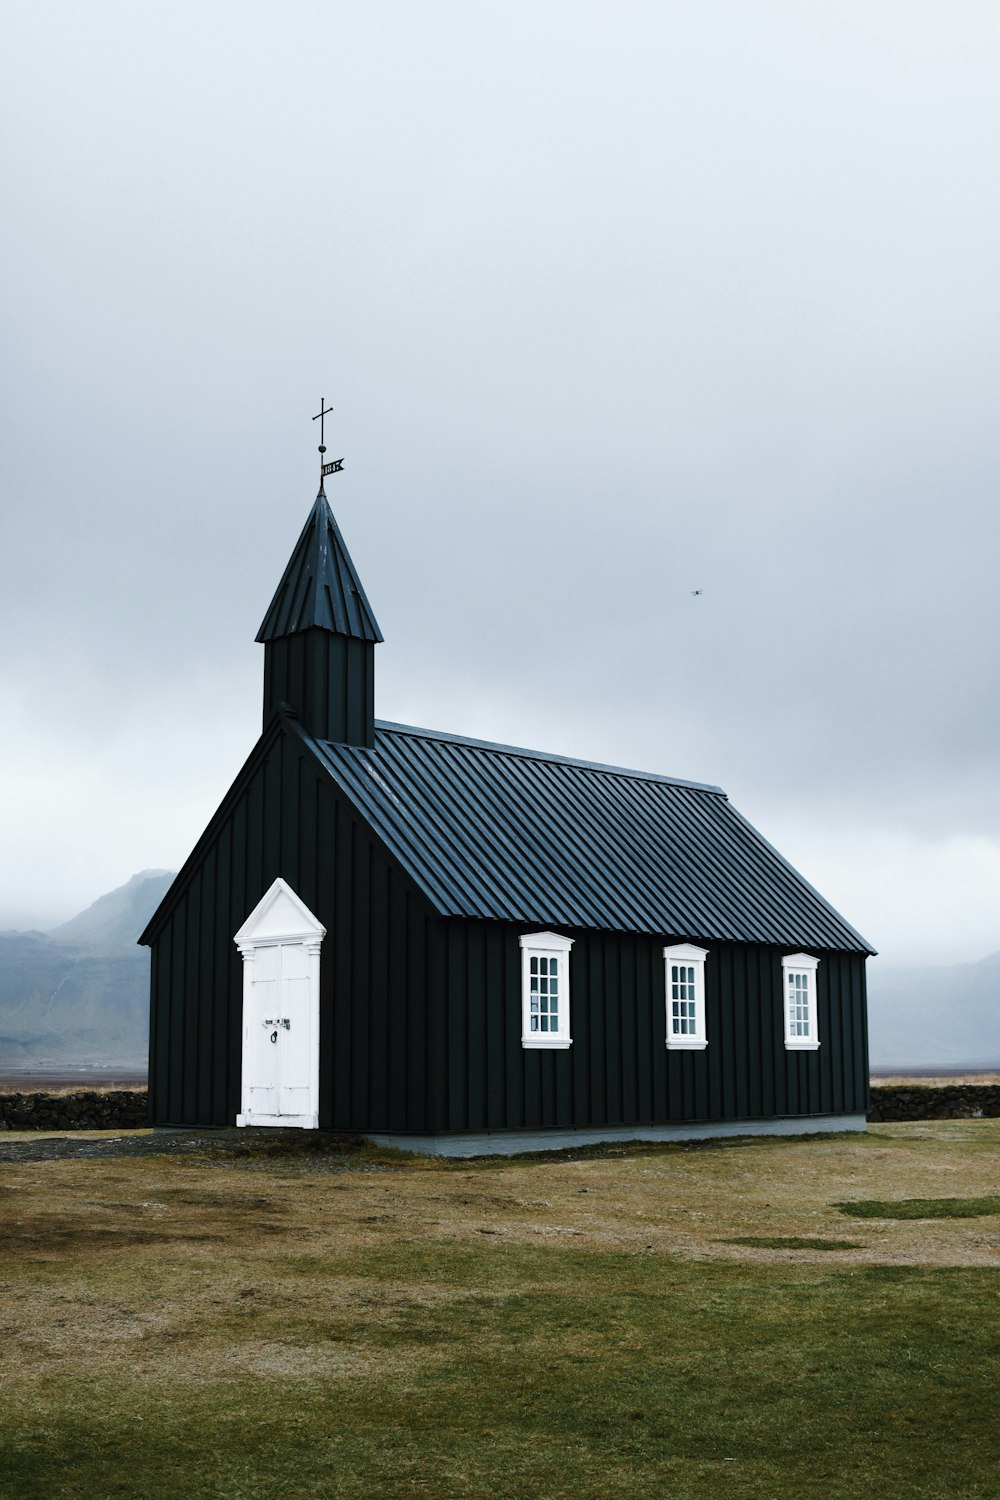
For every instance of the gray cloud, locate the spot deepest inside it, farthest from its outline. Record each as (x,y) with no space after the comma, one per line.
(612,302)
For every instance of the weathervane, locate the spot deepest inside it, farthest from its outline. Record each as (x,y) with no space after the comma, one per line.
(338,463)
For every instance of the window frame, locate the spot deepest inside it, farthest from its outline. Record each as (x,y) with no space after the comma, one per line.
(550,945)
(694,958)
(801,963)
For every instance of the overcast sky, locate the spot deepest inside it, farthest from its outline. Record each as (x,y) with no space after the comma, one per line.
(613,302)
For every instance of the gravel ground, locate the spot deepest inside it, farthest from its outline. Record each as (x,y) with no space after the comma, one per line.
(223,1146)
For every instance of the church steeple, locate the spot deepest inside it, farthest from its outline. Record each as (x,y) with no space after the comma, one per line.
(320,586)
(319,637)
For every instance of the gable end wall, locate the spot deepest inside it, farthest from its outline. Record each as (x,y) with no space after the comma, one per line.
(285,818)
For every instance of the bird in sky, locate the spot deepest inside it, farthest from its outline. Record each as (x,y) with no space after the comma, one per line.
(696,592)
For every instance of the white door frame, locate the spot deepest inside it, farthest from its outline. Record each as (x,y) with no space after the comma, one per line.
(280,919)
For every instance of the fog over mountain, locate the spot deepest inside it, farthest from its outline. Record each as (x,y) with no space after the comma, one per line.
(930,1017)
(118,917)
(78,996)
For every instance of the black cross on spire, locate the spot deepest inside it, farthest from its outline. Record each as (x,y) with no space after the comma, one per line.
(338,463)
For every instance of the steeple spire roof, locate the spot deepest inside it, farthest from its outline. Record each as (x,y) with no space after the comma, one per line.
(320,586)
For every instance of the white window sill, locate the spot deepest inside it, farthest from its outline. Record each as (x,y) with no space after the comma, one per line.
(802,1046)
(685,1044)
(560,1043)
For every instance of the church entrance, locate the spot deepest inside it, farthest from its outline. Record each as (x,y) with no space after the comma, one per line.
(280,943)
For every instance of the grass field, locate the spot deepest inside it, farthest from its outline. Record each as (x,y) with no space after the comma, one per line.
(657,1322)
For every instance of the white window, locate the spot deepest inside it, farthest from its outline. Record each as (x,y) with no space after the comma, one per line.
(798,974)
(685,979)
(545,990)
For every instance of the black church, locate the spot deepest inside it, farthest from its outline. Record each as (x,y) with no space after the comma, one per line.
(468,947)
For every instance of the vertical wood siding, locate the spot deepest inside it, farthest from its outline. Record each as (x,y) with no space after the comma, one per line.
(619,1070)
(328,679)
(421,1017)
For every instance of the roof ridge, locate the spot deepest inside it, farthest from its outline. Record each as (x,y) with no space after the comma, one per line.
(390,727)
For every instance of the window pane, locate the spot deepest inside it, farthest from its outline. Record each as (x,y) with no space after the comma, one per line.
(799,1005)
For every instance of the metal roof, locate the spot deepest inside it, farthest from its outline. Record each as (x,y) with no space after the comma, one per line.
(320,586)
(492,831)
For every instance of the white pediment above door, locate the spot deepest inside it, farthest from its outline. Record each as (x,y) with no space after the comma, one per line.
(279,916)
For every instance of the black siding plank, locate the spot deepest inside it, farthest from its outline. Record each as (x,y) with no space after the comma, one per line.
(174,939)
(398,1016)
(437,1018)
(343,969)
(205,889)
(477,1090)
(415,961)
(457,1063)
(497,1059)
(223,953)
(630,1008)
(189,1035)
(327,892)
(636,988)
(360,995)
(378,971)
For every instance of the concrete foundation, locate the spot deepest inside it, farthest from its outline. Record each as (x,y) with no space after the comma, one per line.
(514,1142)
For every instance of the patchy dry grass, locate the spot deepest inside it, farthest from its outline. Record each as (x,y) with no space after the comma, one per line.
(931,1080)
(56,1085)
(300,1324)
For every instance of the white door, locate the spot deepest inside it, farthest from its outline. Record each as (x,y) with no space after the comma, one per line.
(280,1015)
(276,1032)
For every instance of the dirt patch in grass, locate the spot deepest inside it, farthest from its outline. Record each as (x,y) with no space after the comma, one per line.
(791,1242)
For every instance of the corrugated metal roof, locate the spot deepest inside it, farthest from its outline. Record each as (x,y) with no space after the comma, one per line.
(320,585)
(492,831)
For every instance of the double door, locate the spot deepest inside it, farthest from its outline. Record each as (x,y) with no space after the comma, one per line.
(280,1054)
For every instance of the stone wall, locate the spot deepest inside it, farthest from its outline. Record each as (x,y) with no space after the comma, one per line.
(120,1109)
(952,1101)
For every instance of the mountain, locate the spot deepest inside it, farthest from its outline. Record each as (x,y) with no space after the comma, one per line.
(941,1017)
(115,920)
(79,995)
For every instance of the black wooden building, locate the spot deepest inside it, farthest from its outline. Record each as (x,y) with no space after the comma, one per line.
(467,946)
